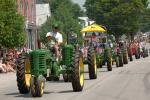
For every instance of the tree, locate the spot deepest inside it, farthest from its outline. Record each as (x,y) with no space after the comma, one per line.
(11,25)
(145,22)
(66,14)
(119,16)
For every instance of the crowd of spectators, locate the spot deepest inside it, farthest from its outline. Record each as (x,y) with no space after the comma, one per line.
(7,60)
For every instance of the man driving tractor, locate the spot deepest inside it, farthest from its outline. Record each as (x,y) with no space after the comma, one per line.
(55,38)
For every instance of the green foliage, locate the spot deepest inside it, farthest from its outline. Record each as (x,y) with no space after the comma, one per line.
(119,16)
(11,25)
(145,22)
(66,14)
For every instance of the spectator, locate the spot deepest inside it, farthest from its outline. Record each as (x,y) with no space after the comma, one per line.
(9,67)
(3,68)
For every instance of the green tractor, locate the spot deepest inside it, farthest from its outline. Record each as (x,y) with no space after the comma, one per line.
(89,54)
(124,52)
(104,54)
(40,65)
(116,54)
(37,66)
(144,52)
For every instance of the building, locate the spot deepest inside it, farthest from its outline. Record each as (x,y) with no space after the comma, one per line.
(42,13)
(27,8)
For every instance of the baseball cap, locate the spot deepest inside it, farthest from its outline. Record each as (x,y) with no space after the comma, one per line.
(48,34)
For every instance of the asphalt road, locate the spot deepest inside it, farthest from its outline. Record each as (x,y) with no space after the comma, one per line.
(131,82)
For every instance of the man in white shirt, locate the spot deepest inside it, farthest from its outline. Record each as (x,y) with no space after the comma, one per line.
(57,39)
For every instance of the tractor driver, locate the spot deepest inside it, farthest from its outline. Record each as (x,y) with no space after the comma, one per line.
(56,39)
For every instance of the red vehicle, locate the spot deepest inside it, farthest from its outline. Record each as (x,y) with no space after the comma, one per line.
(134,48)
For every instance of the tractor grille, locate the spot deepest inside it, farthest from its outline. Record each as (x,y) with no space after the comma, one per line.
(67,52)
(38,62)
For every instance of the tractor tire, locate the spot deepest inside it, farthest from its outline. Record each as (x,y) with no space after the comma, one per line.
(109,63)
(99,64)
(120,60)
(103,63)
(131,58)
(23,73)
(33,88)
(37,86)
(130,55)
(56,78)
(40,86)
(77,72)
(146,52)
(117,61)
(92,65)
(125,58)
(67,77)
(137,54)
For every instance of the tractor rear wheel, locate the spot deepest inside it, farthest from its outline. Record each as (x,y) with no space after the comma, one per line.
(137,53)
(130,54)
(146,52)
(92,65)
(109,62)
(23,73)
(125,57)
(117,61)
(77,73)
(120,60)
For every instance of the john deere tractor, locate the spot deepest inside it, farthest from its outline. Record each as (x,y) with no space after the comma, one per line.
(144,52)
(104,54)
(89,55)
(37,66)
(123,49)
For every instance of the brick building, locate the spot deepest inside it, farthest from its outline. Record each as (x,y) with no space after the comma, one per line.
(27,8)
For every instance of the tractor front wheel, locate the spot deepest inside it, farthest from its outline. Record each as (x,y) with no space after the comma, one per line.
(67,77)
(99,64)
(37,86)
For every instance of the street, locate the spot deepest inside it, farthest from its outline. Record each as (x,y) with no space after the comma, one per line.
(131,82)
(41,39)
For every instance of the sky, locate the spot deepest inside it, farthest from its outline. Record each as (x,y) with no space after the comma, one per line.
(80,2)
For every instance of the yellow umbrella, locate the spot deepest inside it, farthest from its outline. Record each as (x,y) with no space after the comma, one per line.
(93,28)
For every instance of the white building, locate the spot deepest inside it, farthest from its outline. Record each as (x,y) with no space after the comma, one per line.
(85,21)
(42,13)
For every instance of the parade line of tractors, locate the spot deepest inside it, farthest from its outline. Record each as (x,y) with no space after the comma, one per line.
(40,65)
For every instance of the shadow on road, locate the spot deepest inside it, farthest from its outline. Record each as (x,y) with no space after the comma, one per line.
(24,95)
(60,81)
(66,91)
(19,95)
(103,71)
(87,79)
